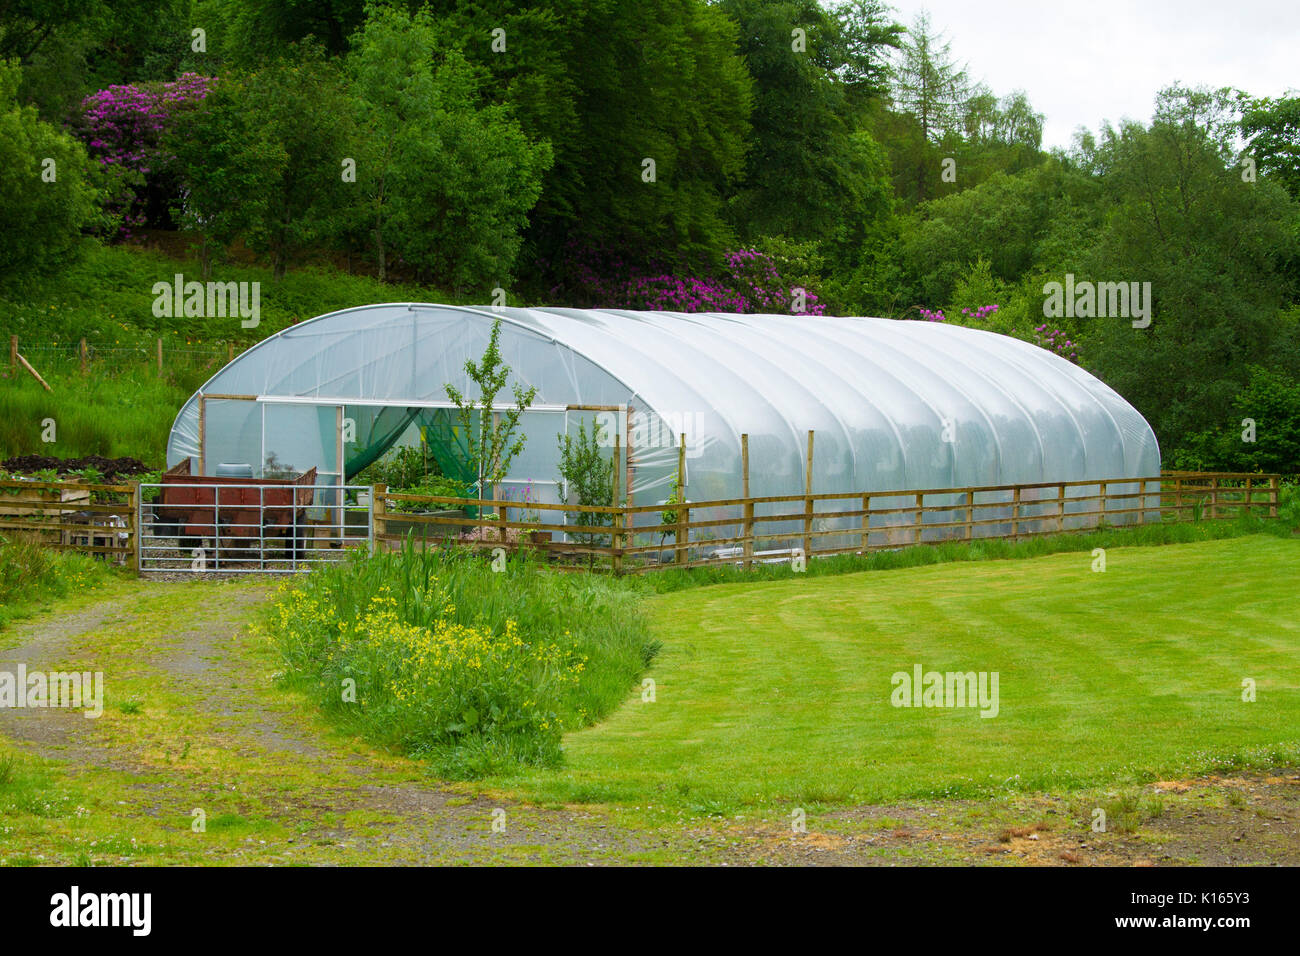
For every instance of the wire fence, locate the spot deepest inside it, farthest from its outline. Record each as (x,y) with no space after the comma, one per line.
(160,353)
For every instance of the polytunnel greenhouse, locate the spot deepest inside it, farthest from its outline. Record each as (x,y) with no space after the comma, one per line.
(893,405)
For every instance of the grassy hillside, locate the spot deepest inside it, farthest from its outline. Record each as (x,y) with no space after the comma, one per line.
(122,406)
(779,692)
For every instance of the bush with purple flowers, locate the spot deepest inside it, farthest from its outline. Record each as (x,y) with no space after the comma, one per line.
(122,126)
(1056,340)
(749,282)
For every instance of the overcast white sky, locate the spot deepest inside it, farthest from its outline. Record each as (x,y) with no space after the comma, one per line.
(1087,61)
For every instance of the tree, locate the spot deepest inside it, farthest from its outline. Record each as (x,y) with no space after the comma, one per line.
(611,86)
(25,25)
(1004,220)
(460,203)
(812,173)
(1260,434)
(228,165)
(1216,250)
(256,31)
(490,435)
(867,37)
(48,189)
(999,135)
(1272,130)
(267,158)
(587,473)
(445,182)
(929,89)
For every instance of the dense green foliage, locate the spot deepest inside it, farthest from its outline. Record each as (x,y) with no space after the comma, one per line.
(435,654)
(589,152)
(48,191)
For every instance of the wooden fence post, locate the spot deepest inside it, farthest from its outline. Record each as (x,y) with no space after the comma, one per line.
(230,352)
(132,528)
(1214,498)
(1101,502)
(1273,481)
(918,518)
(1250,499)
(616,539)
(1015,512)
(866,523)
(203,435)
(379,512)
(1178,498)
(970,513)
(627,454)
(747,530)
(1060,507)
(807,501)
(681,535)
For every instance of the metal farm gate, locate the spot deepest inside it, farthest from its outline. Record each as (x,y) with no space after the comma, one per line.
(261,527)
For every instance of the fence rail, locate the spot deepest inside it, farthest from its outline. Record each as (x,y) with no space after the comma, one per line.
(739,530)
(97,519)
(122,522)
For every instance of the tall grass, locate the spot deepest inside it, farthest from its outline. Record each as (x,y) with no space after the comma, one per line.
(31,575)
(123,407)
(120,408)
(478,670)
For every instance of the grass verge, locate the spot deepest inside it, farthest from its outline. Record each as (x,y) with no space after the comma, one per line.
(31,576)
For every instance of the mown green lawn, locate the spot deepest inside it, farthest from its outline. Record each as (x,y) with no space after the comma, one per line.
(780,691)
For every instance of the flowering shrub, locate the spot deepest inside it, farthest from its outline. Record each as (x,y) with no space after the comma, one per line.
(1055,340)
(433,654)
(122,126)
(978,315)
(1052,339)
(973,315)
(749,282)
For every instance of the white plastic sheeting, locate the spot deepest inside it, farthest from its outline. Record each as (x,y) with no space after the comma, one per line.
(894,404)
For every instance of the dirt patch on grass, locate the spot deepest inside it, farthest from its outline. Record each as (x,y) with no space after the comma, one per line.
(1247,819)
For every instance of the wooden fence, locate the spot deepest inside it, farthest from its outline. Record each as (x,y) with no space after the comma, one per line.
(97,519)
(102,519)
(633,539)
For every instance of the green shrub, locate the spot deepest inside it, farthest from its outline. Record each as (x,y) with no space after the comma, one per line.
(434,487)
(48,186)
(475,670)
(587,474)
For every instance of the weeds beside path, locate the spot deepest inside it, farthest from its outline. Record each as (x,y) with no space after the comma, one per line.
(193,722)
